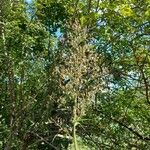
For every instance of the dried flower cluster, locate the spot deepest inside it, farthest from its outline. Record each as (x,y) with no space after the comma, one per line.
(79,73)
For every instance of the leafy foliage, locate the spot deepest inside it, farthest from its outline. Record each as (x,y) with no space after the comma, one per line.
(74,74)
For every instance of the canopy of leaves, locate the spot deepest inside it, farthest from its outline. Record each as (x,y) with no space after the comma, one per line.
(75,75)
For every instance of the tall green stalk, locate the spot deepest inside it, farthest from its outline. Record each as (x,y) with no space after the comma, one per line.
(74,125)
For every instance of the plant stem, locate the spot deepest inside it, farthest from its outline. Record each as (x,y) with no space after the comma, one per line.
(74,125)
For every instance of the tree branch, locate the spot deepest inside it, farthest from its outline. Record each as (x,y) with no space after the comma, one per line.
(141,137)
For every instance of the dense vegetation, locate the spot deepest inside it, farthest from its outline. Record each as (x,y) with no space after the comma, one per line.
(75,74)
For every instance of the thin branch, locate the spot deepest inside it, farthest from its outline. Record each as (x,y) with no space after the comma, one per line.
(143,76)
(40,137)
(141,137)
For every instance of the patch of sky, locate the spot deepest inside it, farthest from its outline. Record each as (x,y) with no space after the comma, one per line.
(28,1)
(58,33)
(30,8)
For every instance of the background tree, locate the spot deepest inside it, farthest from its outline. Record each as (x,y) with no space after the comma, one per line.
(74,74)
